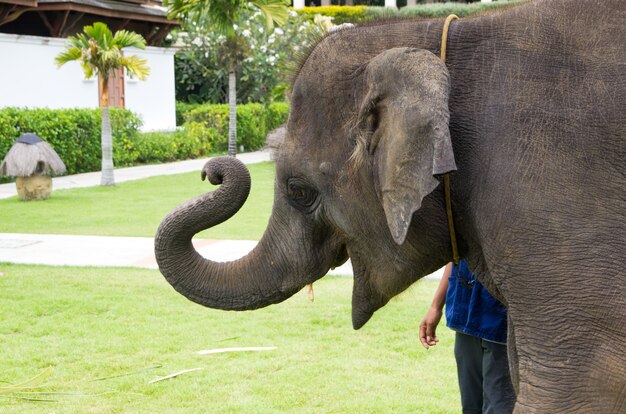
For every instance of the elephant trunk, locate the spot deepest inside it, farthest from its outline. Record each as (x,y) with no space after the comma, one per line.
(267,275)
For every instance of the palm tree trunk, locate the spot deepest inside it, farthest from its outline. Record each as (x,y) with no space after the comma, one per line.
(232,102)
(106,140)
(107,149)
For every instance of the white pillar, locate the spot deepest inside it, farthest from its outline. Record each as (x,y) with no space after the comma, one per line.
(485,1)
(390,3)
(298,4)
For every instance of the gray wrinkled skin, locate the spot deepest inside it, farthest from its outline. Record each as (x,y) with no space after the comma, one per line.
(530,113)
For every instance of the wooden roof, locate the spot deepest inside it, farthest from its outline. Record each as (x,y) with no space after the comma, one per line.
(62,18)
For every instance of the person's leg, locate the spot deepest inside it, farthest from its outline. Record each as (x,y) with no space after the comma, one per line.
(498,393)
(468,353)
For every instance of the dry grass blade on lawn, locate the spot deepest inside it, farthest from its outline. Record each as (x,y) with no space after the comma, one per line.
(174,375)
(128,373)
(28,384)
(237,349)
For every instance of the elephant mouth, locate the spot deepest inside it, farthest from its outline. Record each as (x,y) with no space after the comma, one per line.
(341,258)
(366,299)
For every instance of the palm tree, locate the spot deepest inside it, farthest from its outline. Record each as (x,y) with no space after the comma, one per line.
(223,14)
(100,53)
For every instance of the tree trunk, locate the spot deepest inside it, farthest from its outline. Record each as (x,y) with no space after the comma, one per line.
(232,102)
(106,140)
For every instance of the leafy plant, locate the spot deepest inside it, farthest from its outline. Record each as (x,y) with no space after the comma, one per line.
(340,14)
(254,121)
(222,17)
(201,78)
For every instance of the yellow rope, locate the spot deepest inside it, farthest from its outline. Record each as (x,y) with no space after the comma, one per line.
(446,177)
(444,35)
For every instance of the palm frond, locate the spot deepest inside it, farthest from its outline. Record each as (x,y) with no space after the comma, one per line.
(88,70)
(136,66)
(110,57)
(68,55)
(221,13)
(101,33)
(99,52)
(275,11)
(80,41)
(124,38)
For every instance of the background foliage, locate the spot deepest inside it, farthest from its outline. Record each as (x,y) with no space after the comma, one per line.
(340,14)
(201,75)
(254,121)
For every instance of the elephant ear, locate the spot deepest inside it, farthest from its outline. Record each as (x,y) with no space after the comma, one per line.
(404,119)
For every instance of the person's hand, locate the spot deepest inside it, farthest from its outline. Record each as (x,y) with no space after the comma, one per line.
(428,327)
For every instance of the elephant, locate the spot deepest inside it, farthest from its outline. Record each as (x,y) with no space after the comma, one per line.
(527,118)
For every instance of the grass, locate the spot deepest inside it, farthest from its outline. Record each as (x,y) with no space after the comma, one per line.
(136,208)
(107,333)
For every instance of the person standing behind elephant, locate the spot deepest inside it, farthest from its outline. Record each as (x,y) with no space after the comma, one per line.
(480,350)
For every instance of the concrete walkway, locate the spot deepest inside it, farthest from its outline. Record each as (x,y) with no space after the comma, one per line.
(71,250)
(68,250)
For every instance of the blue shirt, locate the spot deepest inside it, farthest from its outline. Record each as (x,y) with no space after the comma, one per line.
(471,309)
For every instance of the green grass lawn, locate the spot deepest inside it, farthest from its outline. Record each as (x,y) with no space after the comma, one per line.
(108,332)
(136,208)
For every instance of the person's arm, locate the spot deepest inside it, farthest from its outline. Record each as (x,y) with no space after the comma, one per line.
(428,326)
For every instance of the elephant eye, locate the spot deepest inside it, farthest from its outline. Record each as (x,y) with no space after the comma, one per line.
(301,195)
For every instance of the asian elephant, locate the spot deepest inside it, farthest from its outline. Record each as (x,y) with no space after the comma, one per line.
(528,112)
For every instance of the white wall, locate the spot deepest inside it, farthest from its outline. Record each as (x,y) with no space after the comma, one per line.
(29,77)
(154,98)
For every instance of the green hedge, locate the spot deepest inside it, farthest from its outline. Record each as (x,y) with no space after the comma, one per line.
(340,14)
(437,10)
(182,108)
(73,133)
(360,14)
(254,121)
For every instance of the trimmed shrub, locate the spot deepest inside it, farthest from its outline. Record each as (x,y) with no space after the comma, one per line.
(182,108)
(73,133)
(436,10)
(194,141)
(254,121)
(340,14)
(361,14)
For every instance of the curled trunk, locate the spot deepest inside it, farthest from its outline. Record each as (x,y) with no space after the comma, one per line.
(269,274)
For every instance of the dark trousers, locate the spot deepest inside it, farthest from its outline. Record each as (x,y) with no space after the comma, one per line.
(484,379)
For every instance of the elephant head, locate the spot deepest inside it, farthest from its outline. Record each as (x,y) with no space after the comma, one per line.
(383,140)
